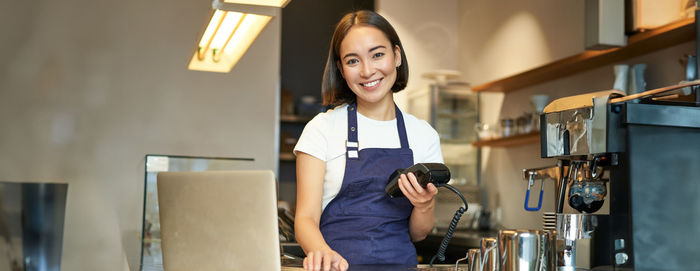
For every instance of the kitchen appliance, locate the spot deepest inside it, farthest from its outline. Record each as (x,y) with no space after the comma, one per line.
(641,156)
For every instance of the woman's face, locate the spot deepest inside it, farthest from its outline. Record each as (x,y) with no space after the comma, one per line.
(368,63)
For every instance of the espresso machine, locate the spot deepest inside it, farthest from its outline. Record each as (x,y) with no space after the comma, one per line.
(641,154)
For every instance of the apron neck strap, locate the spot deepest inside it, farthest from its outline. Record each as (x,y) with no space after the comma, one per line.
(352,144)
(401,126)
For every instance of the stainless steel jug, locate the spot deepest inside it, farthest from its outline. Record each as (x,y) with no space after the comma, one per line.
(490,259)
(526,250)
(474,256)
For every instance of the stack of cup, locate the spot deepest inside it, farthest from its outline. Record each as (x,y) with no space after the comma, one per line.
(549,221)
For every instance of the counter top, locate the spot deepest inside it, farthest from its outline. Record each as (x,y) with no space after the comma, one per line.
(437,267)
(460,240)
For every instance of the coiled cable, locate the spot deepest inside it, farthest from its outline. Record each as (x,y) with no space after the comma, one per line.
(450,231)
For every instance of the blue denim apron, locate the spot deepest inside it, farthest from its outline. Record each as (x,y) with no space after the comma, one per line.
(362,222)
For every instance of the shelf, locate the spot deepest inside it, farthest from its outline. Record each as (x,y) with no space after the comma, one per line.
(295,118)
(510,141)
(456,115)
(637,44)
(454,141)
(287,157)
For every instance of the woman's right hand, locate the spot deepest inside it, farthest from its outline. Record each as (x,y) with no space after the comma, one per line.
(325,260)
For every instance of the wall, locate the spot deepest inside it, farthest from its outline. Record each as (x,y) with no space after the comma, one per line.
(428,34)
(508,37)
(87,88)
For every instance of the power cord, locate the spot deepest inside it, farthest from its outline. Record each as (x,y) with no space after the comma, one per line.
(450,231)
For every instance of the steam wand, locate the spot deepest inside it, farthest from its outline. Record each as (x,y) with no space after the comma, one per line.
(450,231)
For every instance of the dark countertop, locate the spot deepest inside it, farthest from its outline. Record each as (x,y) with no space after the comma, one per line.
(461,241)
(438,267)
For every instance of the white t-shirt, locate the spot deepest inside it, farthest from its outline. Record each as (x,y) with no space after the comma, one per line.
(324,138)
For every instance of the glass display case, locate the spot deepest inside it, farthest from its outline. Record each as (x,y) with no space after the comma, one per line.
(151,256)
(452,109)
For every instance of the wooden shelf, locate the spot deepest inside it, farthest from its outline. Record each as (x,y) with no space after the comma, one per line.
(295,118)
(510,141)
(637,44)
(456,115)
(454,141)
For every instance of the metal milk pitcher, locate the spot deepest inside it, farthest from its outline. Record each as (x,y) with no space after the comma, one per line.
(474,256)
(490,258)
(526,250)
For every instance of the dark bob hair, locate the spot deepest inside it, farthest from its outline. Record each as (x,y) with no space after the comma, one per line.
(334,88)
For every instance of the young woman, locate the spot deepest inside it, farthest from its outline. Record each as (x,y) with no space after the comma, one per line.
(345,156)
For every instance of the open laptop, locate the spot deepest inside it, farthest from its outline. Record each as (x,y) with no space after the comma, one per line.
(219,220)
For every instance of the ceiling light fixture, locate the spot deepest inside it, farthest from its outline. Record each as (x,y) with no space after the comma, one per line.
(233,27)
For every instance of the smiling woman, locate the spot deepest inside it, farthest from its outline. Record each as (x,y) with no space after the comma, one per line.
(369,63)
(361,29)
(343,216)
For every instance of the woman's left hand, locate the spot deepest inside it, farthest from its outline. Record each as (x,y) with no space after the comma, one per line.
(421,198)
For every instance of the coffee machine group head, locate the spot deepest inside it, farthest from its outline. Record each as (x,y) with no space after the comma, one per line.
(578,183)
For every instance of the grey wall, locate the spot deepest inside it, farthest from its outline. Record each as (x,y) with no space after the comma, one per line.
(87,88)
(498,39)
(428,32)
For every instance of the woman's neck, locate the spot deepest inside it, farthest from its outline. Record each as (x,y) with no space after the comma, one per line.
(381,110)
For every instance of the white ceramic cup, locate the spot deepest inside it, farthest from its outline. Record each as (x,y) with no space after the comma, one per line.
(539,101)
(621,77)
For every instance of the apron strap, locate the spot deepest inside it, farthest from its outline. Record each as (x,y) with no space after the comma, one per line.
(402,128)
(352,145)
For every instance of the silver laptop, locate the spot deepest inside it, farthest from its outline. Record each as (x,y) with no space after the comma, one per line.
(219,220)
